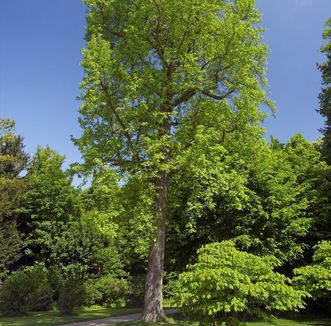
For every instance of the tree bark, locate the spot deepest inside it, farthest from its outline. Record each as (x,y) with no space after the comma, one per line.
(153,309)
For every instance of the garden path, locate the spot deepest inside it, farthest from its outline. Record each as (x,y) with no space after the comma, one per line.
(115,319)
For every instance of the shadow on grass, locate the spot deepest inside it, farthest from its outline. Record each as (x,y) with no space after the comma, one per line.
(286,320)
(53,318)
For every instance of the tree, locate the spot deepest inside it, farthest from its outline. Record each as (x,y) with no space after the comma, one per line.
(13,161)
(325,111)
(48,204)
(152,68)
(267,197)
(325,95)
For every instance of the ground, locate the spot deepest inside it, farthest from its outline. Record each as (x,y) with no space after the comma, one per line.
(53,318)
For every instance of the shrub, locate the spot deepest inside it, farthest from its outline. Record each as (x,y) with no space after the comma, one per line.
(107,291)
(135,297)
(316,278)
(226,283)
(72,295)
(169,284)
(26,290)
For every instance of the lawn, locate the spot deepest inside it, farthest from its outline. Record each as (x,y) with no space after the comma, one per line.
(277,322)
(53,318)
(299,320)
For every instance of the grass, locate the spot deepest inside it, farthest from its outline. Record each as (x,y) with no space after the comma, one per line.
(277,322)
(52,318)
(297,320)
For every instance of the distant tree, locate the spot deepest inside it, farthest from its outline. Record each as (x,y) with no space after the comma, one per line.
(13,161)
(325,111)
(325,95)
(152,70)
(268,198)
(48,204)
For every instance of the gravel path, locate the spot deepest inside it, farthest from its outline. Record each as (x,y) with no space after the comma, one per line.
(114,320)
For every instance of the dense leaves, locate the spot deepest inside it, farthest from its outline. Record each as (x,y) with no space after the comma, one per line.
(316,277)
(325,95)
(26,290)
(265,197)
(325,111)
(49,203)
(225,281)
(13,161)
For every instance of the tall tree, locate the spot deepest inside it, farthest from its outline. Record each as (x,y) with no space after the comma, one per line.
(325,95)
(152,70)
(13,161)
(325,111)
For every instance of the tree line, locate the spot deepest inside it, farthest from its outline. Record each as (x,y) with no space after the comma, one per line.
(182,186)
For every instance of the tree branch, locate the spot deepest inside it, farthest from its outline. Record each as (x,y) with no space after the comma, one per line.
(184,97)
(215,96)
(118,118)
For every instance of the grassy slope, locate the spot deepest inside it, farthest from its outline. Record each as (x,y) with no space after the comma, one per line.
(53,318)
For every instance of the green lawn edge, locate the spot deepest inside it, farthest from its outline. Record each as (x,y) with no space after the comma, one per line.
(53,318)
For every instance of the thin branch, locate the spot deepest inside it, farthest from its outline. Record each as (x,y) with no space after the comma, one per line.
(186,31)
(217,97)
(184,97)
(120,121)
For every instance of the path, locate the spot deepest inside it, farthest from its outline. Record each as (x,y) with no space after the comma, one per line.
(115,319)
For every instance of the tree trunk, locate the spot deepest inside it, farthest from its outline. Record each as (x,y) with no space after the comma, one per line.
(153,309)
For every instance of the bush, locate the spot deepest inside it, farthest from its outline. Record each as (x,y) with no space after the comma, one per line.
(135,297)
(72,295)
(107,291)
(26,290)
(316,278)
(226,283)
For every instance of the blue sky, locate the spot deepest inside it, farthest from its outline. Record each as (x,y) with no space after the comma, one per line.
(40,51)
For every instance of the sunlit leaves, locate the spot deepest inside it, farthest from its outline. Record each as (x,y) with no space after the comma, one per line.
(316,277)
(225,281)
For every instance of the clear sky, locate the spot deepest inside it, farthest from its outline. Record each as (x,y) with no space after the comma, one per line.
(40,51)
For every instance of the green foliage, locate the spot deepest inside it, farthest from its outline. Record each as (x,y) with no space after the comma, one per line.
(135,297)
(83,249)
(265,197)
(72,295)
(316,277)
(325,111)
(26,290)
(108,291)
(183,66)
(225,282)
(151,71)
(13,160)
(325,95)
(49,203)
(10,245)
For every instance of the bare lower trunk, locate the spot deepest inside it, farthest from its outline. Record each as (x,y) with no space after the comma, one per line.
(153,309)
